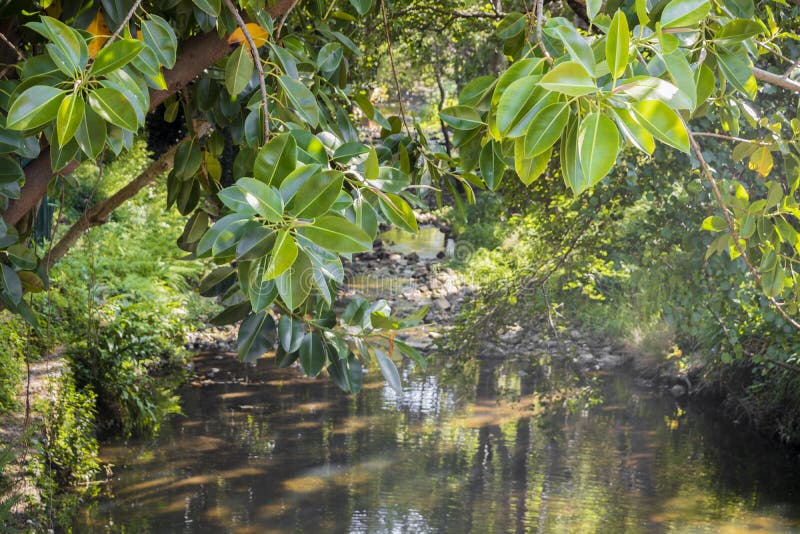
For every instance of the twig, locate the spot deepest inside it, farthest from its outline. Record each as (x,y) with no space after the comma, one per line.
(5,39)
(394,68)
(732,228)
(285,16)
(125,22)
(539,38)
(256,60)
(731,138)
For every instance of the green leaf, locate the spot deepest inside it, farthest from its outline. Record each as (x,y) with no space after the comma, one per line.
(210,7)
(303,101)
(372,166)
(682,74)
(461,117)
(389,371)
(529,168)
(349,151)
(290,333)
(256,336)
(593,8)
(276,160)
(255,243)
(295,284)
(316,196)
(492,165)
(70,115)
(651,88)
(662,122)
(476,91)
(11,283)
(569,78)
(188,158)
(511,25)
(330,57)
(634,132)
(264,199)
(91,133)
(284,253)
(598,145)
(337,234)
(714,223)
(545,128)
(313,354)
(68,48)
(160,37)
(684,13)
(618,45)
(114,108)
(739,30)
(570,160)
(362,6)
(238,70)
(10,172)
(577,47)
(517,103)
(398,212)
(738,70)
(215,278)
(234,198)
(34,107)
(295,180)
(115,56)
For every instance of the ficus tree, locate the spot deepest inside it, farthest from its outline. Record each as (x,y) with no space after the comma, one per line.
(310,184)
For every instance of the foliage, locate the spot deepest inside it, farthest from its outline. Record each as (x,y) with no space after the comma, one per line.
(12,345)
(306,191)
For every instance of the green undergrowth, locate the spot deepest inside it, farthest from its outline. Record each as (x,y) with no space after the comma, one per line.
(628,261)
(120,308)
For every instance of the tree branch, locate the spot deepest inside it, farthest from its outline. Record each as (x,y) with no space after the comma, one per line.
(776,80)
(98,214)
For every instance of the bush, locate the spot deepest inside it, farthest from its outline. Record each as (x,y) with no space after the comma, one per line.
(12,344)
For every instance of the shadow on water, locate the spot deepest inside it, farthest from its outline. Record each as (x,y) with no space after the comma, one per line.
(496,452)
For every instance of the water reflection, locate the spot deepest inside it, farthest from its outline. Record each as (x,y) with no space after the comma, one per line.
(497,453)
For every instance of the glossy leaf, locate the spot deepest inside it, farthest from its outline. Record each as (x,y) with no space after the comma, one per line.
(276,159)
(238,70)
(337,234)
(577,47)
(91,133)
(316,196)
(284,253)
(256,336)
(313,354)
(115,56)
(264,199)
(34,107)
(598,146)
(662,122)
(114,108)
(12,286)
(290,333)
(303,101)
(618,45)
(461,117)
(398,212)
(389,371)
(492,165)
(546,128)
(70,115)
(684,13)
(569,78)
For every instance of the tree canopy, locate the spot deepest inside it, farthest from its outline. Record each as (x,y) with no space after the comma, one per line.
(284,86)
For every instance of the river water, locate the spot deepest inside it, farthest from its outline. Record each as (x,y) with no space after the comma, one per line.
(505,446)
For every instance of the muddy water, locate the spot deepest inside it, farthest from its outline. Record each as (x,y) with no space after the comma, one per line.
(514,446)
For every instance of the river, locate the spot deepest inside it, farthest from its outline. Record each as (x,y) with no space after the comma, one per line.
(509,446)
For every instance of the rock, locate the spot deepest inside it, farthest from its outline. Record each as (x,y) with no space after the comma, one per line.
(677,391)
(413,257)
(585,357)
(610,361)
(441,304)
(397,258)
